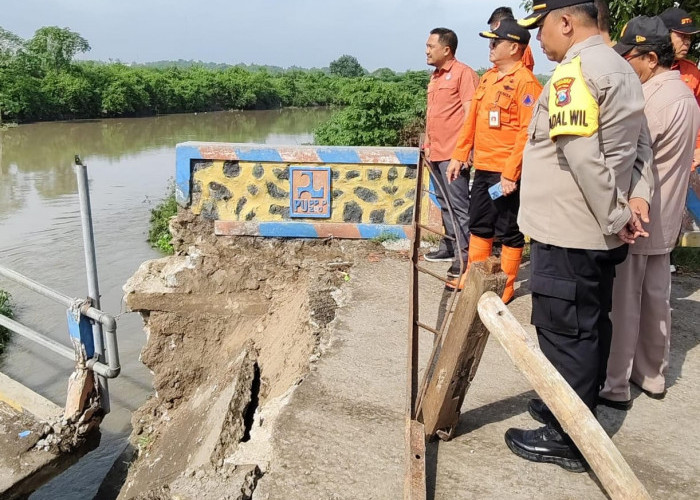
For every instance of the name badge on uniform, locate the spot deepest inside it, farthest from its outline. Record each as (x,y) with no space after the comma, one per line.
(495,118)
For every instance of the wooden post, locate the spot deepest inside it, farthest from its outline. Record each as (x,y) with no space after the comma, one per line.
(415,484)
(414,447)
(574,416)
(460,353)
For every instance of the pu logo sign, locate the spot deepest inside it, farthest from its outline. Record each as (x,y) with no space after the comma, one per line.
(310,192)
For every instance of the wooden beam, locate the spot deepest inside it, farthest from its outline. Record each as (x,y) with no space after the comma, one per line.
(415,483)
(614,473)
(460,354)
(414,444)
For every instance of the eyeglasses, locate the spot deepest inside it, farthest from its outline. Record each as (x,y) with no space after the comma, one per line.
(494,43)
(629,56)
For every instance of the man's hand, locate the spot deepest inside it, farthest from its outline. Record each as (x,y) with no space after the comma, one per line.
(427,152)
(640,208)
(508,186)
(453,170)
(632,230)
(470,160)
(696,159)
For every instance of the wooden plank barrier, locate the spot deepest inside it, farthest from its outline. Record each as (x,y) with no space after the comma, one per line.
(460,352)
(612,470)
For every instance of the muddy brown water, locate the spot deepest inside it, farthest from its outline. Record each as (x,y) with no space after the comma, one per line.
(130,165)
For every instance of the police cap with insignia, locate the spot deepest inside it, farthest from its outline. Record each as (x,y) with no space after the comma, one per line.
(508,29)
(679,20)
(642,30)
(542,8)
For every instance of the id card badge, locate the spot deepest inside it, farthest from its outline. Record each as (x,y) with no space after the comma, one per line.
(495,118)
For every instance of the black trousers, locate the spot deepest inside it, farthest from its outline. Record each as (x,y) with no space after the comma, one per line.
(494,218)
(457,192)
(571,303)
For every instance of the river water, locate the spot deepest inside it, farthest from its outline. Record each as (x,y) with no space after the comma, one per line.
(131,163)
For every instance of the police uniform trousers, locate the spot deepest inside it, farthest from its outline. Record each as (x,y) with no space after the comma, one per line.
(571,303)
(494,218)
(457,192)
(641,318)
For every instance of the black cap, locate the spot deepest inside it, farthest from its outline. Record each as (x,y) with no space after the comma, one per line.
(642,30)
(508,29)
(679,20)
(542,8)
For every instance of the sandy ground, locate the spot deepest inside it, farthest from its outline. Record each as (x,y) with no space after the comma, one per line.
(341,434)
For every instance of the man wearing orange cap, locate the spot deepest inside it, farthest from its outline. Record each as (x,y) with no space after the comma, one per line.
(682,28)
(496,132)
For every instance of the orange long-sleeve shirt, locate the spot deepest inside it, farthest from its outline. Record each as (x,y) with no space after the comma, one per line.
(690,74)
(528,59)
(499,149)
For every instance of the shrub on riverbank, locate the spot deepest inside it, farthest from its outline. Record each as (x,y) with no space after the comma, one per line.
(5,310)
(159,233)
(686,259)
(379,113)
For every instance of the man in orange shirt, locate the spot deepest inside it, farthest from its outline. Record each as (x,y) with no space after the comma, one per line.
(682,29)
(450,92)
(499,15)
(496,131)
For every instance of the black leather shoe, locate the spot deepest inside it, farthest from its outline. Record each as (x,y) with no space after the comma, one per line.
(617,405)
(540,412)
(546,445)
(440,255)
(654,395)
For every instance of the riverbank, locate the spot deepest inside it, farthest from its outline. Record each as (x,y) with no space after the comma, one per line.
(130,162)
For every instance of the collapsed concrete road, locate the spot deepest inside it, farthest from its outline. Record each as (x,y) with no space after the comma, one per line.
(279,369)
(36,442)
(341,435)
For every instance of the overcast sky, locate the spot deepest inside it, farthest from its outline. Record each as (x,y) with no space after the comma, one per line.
(306,33)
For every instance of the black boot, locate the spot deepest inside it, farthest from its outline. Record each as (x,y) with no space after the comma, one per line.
(547,445)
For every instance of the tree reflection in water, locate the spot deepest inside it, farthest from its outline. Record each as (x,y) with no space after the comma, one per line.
(47,149)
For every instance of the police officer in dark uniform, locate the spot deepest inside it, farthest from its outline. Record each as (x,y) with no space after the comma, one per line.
(585,187)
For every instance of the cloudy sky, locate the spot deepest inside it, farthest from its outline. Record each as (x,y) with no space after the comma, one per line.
(306,33)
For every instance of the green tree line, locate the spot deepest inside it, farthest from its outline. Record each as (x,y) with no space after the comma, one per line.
(621,11)
(40,80)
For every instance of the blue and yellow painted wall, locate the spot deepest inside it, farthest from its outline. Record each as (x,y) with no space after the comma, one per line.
(301,191)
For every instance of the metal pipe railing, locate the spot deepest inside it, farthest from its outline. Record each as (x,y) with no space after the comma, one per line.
(109,370)
(112,368)
(40,339)
(37,287)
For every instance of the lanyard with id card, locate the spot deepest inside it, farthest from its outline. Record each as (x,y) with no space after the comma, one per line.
(495,113)
(495,117)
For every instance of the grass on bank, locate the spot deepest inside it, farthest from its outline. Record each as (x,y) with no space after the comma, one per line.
(159,233)
(5,310)
(686,259)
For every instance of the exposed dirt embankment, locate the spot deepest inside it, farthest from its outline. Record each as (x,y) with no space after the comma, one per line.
(232,325)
